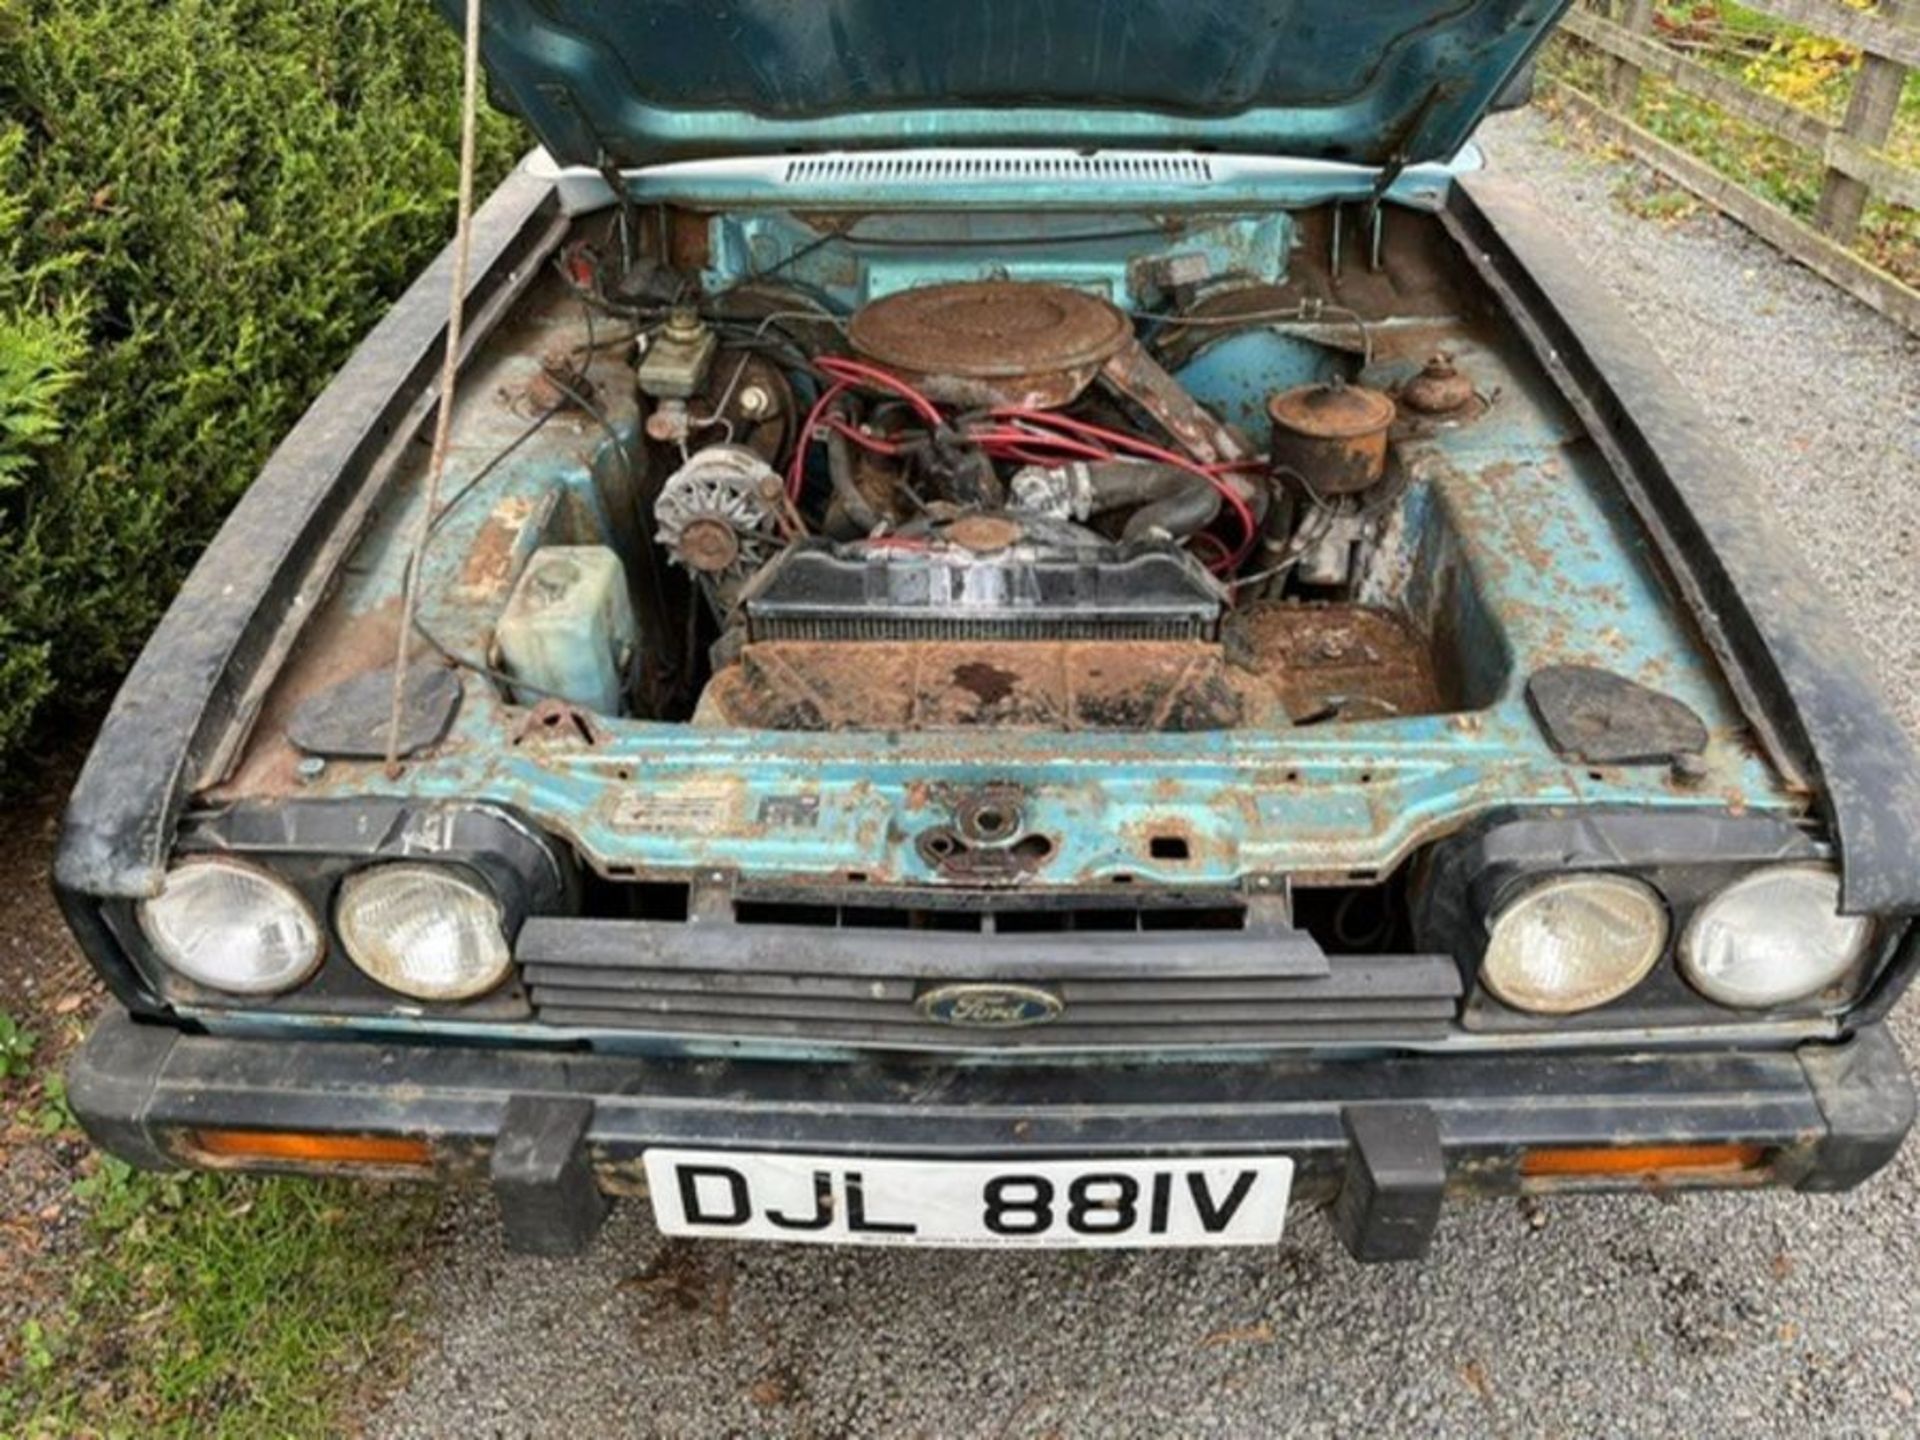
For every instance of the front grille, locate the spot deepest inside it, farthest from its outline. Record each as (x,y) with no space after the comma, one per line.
(1156,989)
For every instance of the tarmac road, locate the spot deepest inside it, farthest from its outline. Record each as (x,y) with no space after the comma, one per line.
(1720,1315)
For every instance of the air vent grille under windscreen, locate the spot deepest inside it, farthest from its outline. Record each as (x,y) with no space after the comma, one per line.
(992,168)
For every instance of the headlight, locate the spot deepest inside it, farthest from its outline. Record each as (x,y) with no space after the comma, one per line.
(1574,942)
(1775,936)
(424,931)
(228,926)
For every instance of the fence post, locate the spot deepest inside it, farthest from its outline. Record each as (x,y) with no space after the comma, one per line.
(1870,114)
(1623,76)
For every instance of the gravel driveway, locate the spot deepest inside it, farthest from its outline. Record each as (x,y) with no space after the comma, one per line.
(1713,1316)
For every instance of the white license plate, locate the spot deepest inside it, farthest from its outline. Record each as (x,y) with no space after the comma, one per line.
(1039,1204)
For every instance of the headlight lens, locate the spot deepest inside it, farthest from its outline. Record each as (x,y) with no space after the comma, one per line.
(1772,937)
(228,926)
(424,931)
(1574,942)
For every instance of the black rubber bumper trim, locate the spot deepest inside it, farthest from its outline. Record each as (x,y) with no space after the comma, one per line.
(1396,1177)
(1381,1138)
(1866,1096)
(543,1176)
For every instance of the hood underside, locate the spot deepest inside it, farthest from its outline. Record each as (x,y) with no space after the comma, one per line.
(638,82)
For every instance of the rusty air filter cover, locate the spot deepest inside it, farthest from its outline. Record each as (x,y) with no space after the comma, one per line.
(1332,436)
(992,342)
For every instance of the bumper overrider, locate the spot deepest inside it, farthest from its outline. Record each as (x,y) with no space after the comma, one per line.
(1383,1141)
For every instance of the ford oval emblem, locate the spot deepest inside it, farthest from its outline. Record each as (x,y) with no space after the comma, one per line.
(982,1006)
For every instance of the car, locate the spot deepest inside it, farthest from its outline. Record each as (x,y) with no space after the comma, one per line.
(1054,625)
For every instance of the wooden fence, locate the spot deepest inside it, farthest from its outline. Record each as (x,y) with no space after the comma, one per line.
(1849,154)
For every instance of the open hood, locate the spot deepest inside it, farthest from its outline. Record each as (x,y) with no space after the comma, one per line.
(1372,82)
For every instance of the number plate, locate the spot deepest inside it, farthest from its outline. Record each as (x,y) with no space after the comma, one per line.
(1091,1204)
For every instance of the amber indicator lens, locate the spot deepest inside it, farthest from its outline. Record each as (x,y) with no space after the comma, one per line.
(1577,1160)
(305,1147)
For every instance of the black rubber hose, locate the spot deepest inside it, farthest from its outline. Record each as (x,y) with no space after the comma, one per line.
(853,503)
(1113,484)
(1172,501)
(1187,511)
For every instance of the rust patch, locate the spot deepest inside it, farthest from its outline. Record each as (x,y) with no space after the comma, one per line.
(1342,662)
(987,841)
(994,341)
(1173,840)
(983,534)
(556,723)
(1138,376)
(689,242)
(494,557)
(989,683)
(1333,436)
(1013,685)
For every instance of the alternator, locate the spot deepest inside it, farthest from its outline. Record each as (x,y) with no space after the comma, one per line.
(719,518)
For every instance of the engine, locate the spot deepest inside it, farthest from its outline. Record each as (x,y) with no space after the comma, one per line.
(985,503)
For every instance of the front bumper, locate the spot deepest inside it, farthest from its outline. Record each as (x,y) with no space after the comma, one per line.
(1384,1140)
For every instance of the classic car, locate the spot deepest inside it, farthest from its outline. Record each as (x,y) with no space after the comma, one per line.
(1057,623)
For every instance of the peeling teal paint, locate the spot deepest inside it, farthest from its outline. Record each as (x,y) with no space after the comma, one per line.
(1546,567)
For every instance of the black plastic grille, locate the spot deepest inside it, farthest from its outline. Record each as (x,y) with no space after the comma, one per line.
(858,988)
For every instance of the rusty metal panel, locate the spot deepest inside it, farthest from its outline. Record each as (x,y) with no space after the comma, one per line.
(1503,555)
(1343,662)
(1023,685)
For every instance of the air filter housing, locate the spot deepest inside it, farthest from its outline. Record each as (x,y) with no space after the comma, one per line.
(992,342)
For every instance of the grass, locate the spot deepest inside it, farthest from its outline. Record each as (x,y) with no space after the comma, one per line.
(17,1044)
(1790,64)
(210,1305)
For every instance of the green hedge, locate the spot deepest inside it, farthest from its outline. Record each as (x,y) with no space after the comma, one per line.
(202,204)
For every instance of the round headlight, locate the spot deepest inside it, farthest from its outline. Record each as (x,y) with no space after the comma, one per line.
(1574,942)
(1775,936)
(228,926)
(424,931)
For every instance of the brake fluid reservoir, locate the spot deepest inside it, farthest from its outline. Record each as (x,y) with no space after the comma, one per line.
(568,629)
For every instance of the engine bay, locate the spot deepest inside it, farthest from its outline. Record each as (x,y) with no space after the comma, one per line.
(1010,500)
(1231,541)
